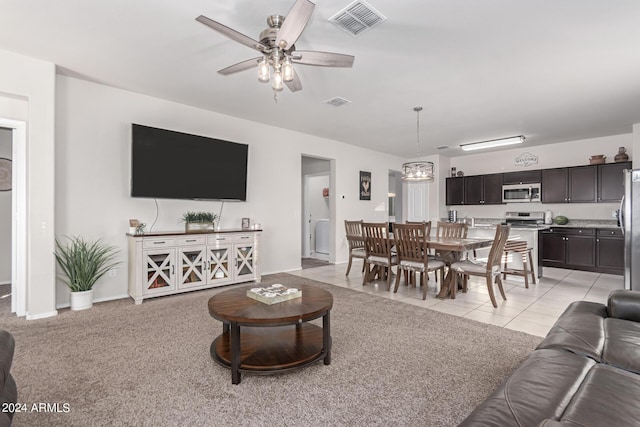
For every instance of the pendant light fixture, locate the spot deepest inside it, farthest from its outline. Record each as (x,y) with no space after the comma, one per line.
(417,171)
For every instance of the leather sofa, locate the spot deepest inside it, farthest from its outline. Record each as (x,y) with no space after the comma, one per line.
(586,372)
(8,389)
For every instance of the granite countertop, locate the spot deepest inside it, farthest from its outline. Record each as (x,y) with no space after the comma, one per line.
(573,223)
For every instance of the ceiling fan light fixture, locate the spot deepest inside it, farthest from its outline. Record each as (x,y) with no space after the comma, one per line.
(277,80)
(287,70)
(417,171)
(263,70)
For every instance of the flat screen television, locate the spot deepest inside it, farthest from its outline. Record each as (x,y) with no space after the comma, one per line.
(173,165)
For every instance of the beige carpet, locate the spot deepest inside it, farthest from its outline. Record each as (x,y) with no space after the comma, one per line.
(124,365)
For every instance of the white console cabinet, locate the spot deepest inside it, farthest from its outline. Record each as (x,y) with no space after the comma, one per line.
(170,263)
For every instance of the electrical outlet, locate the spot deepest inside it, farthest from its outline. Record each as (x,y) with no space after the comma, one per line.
(614,214)
(113,272)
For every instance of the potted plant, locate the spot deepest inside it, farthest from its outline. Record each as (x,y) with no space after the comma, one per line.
(199,221)
(83,264)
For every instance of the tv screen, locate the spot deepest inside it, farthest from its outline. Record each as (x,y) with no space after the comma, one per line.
(174,165)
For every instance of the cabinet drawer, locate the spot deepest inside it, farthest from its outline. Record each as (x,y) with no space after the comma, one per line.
(581,231)
(158,243)
(610,232)
(194,240)
(230,238)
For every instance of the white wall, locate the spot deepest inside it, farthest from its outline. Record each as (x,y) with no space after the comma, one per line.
(26,80)
(573,153)
(93,173)
(5,214)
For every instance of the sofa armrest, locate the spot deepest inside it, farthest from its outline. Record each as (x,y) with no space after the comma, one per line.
(624,304)
(7,344)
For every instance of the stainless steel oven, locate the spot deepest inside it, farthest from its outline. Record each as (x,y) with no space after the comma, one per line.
(521,193)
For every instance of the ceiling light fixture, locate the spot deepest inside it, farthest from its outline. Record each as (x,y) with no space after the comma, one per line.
(417,171)
(493,143)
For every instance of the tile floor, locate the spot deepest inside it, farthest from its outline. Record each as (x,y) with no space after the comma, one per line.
(532,310)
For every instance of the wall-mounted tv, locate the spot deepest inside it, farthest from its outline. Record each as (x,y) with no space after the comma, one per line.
(173,165)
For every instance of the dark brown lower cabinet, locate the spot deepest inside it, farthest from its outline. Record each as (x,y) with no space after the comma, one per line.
(588,249)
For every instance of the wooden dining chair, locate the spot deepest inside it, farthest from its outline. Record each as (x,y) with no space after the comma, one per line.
(379,258)
(519,247)
(355,240)
(491,270)
(413,258)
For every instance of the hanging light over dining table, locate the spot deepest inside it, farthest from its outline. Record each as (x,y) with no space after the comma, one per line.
(418,171)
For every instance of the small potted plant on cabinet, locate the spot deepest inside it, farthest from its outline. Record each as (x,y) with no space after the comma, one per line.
(83,263)
(199,221)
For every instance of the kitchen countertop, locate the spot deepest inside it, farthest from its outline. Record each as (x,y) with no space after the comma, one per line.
(573,223)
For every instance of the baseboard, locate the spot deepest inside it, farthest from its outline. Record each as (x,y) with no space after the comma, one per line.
(104,299)
(41,315)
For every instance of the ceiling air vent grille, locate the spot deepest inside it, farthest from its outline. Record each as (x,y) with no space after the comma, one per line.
(357,17)
(337,101)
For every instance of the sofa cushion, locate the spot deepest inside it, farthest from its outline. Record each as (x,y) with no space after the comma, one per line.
(607,397)
(580,330)
(622,345)
(541,388)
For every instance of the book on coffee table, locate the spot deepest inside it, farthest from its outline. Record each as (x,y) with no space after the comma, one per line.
(274,294)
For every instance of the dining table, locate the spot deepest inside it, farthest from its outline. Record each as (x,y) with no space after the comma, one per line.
(451,250)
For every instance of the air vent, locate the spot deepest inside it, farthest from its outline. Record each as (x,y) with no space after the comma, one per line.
(357,17)
(337,101)
(442,147)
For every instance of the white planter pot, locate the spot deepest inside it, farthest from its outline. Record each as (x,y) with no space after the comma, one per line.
(81,300)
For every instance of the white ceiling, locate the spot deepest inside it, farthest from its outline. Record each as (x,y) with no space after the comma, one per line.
(552,70)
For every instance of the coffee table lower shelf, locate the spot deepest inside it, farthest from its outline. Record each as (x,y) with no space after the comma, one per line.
(266,350)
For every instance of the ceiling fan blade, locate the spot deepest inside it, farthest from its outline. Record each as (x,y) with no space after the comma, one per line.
(294,23)
(232,34)
(295,84)
(241,66)
(323,59)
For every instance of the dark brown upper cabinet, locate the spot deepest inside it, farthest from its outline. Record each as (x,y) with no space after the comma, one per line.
(521,177)
(455,191)
(570,185)
(611,181)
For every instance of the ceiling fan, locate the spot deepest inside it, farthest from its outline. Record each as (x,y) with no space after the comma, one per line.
(277,46)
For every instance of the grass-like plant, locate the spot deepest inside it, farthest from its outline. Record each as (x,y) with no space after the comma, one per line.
(84,263)
(201,217)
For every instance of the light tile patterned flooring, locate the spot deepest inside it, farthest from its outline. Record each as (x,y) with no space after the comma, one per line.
(532,310)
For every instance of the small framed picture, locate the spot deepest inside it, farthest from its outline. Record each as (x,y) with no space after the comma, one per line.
(246,223)
(365,185)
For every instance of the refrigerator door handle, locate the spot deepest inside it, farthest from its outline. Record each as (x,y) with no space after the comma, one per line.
(621,215)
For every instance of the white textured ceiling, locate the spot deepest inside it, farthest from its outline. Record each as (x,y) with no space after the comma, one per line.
(552,70)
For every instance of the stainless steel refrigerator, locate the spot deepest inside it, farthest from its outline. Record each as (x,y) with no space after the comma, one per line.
(630,224)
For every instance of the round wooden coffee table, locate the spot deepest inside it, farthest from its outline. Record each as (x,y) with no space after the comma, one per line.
(262,338)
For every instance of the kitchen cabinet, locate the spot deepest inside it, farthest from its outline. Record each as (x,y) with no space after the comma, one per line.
(522,177)
(170,263)
(570,185)
(483,189)
(474,190)
(610,181)
(589,249)
(610,251)
(455,191)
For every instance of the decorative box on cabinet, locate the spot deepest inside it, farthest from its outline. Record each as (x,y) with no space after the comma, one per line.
(169,263)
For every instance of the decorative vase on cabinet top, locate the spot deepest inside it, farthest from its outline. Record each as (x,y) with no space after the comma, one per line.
(622,155)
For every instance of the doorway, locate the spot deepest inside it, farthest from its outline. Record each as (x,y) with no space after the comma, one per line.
(13,211)
(6,213)
(396,212)
(316,247)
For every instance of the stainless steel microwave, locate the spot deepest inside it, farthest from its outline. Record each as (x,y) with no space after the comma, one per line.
(521,193)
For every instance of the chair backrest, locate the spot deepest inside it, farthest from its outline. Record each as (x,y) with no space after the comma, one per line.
(353,230)
(454,230)
(409,240)
(497,248)
(376,239)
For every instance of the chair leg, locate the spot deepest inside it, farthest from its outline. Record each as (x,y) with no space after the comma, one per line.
(395,290)
(505,255)
(363,264)
(389,278)
(367,273)
(533,273)
(349,266)
(499,282)
(525,270)
(424,279)
(490,289)
(454,285)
